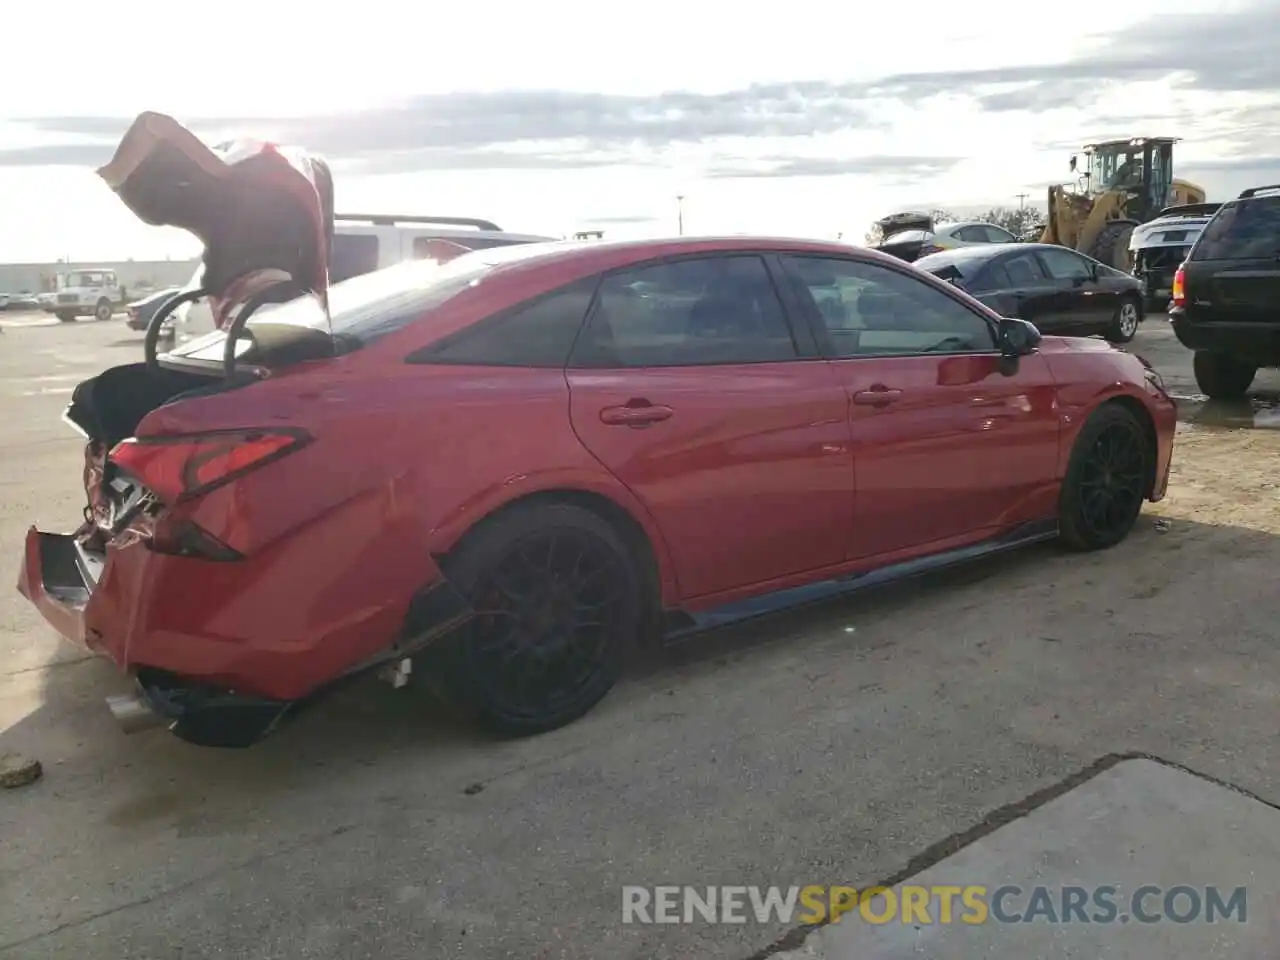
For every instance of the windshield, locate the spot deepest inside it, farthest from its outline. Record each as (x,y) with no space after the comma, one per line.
(1242,231)
(1115,167)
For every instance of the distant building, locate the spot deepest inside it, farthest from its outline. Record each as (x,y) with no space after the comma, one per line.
(138,275)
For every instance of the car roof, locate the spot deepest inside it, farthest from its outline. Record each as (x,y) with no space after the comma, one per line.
(597,255)
(980,253)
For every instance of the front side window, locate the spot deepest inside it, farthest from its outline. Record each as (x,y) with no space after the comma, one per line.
(871,310)
(702,311)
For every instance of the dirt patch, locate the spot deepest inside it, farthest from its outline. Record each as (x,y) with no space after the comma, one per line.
(1224,476)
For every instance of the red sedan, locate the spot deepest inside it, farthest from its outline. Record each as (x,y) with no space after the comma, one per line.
(506,471)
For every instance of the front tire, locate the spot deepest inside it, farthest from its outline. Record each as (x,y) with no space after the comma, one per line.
(102,310)
(1124,324)
(1106,480)
(558,598)
(1222,377)
(66,316)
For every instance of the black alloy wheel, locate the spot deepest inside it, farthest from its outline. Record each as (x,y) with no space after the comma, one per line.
(556,597)
(1106,480)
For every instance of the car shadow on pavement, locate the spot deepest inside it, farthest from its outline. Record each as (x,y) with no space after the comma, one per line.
(154,777)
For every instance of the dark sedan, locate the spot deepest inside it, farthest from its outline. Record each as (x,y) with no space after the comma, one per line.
(1059,290)
(141,311)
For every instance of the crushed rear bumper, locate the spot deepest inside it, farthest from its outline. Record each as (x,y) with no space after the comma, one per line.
(61,579)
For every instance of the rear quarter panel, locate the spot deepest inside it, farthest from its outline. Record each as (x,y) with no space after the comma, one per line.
(405,459)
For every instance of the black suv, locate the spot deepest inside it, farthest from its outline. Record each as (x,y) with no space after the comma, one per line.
(1226,296)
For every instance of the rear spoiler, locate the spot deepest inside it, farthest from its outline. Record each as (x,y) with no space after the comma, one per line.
(390,220)
(1190,210)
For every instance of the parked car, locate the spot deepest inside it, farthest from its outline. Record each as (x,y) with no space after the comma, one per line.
(1158,247)
(504,472)
(1226,295)
(363,243)
(1057,289)
(909,237)
(141,311)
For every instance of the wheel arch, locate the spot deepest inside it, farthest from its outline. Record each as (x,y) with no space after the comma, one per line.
(630,521)
(1143,415)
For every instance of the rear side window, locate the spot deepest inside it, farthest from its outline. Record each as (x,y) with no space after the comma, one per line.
(353,255)
(1065,265)
(538,333)
(1241,231)
(993,277)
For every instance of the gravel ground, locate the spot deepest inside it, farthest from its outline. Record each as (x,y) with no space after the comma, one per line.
(827,747)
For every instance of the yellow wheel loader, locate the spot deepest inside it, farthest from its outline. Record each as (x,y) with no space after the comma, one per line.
(1125,183)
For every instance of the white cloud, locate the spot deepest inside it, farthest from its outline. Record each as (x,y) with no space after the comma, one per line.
(491,103)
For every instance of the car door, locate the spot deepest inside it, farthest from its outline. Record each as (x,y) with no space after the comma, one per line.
(1015,285)
(946,449)
(1086,303)
(690,384)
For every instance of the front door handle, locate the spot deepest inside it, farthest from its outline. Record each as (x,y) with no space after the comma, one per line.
(877,396)
(635,413)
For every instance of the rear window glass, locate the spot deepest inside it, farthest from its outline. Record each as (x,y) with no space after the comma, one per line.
(1242,230)
(376,304)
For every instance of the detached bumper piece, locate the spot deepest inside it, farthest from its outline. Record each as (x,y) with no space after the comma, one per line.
(208,717)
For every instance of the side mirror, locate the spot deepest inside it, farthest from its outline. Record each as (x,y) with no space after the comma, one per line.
(1016,338)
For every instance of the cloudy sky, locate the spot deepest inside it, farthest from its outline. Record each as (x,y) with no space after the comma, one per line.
(557,115)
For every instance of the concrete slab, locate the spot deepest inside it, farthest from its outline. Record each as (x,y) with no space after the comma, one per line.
(1139,823)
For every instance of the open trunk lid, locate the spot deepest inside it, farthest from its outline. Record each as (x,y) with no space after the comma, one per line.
(265,215)
(264,212)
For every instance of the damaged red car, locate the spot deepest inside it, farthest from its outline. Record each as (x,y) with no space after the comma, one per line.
(502,473)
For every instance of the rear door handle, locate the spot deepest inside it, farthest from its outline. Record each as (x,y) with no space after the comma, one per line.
(876,397)
(635,413)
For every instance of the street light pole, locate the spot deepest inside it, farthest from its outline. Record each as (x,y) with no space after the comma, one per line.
(680,213)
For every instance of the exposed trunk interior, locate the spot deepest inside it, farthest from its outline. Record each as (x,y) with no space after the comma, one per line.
(109,407)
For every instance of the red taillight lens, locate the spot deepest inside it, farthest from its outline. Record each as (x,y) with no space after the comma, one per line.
(929,248)
(1180,287)
(176,468)
(133,314)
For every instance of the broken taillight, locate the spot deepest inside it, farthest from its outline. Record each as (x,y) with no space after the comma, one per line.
(1180,287)
(181,467)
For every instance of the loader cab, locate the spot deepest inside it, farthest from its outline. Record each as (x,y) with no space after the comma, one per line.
(1141,167)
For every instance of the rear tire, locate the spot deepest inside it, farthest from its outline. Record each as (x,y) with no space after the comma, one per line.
(1222,377)
(558,599)
(1124,324)
(1106,480)
(1112,245)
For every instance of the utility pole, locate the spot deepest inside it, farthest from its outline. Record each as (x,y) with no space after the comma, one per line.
(680,213)
(1022,200)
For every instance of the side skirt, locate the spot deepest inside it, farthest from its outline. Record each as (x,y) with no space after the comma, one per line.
(681,624)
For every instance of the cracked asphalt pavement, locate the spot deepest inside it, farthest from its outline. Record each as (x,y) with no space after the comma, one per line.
(830,746)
